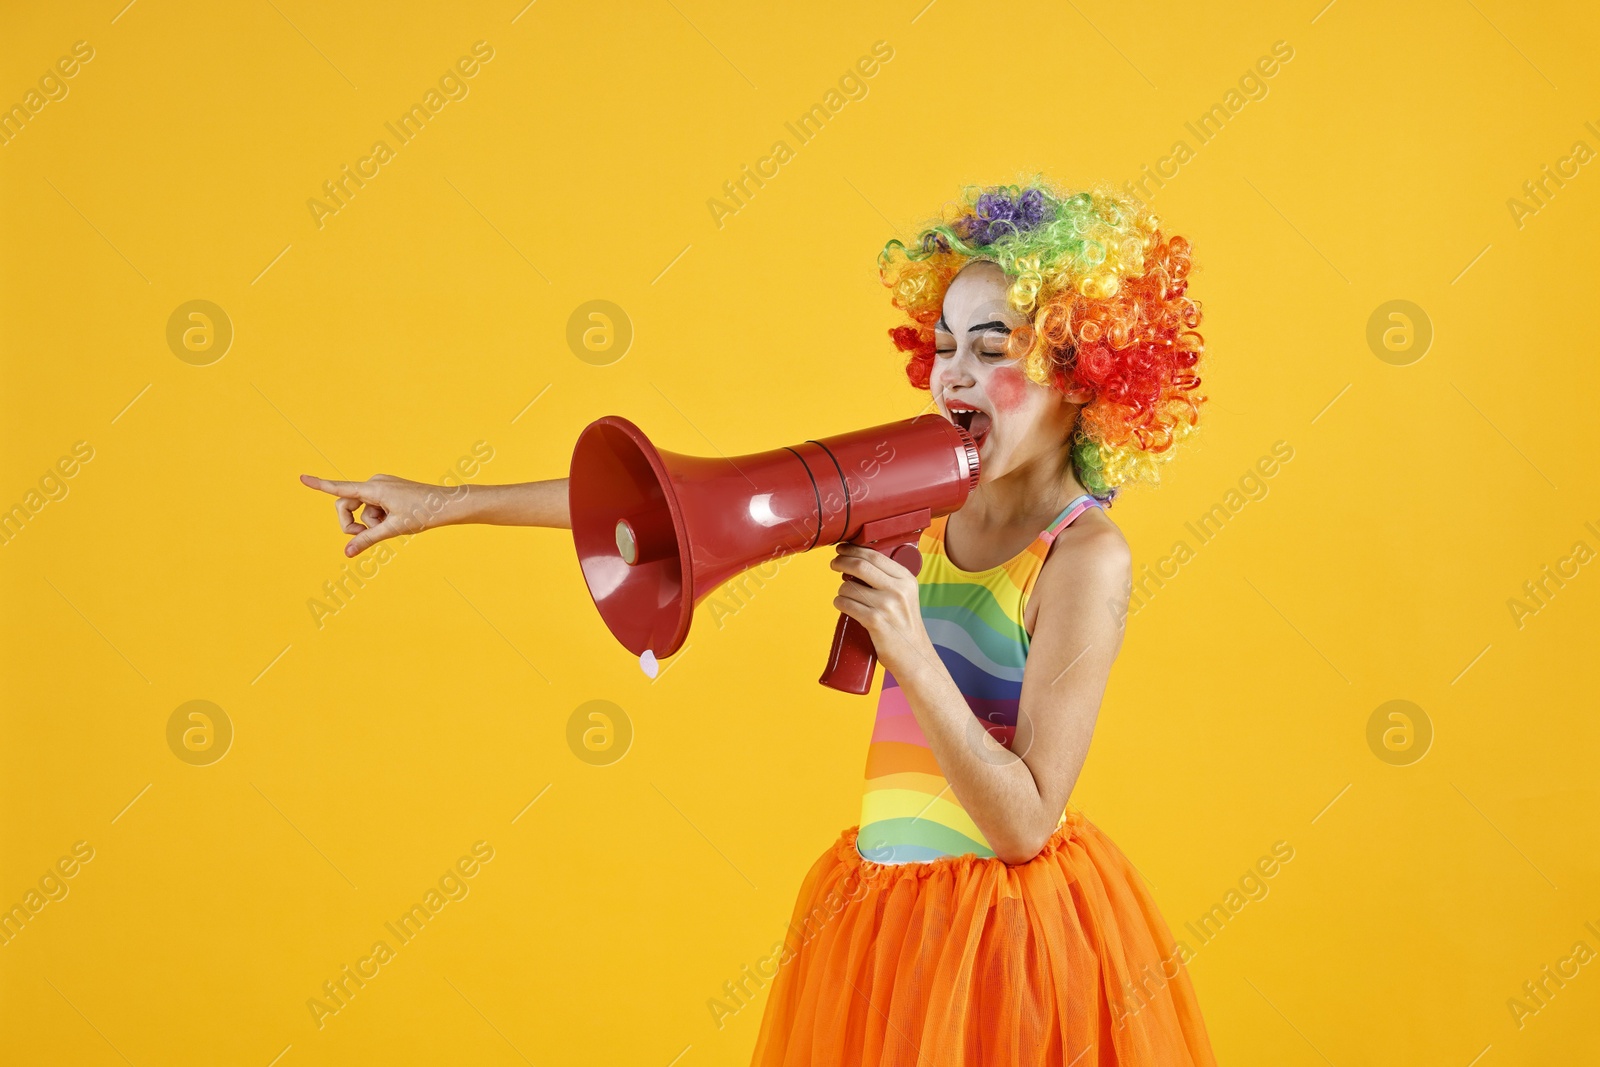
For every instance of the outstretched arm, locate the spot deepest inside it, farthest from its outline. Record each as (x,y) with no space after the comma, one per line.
(522,504)
(390,506)
(1015,795)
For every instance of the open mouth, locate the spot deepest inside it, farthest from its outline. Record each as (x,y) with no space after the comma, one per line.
(975,422)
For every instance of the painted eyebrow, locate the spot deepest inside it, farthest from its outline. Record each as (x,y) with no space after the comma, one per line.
(981,326)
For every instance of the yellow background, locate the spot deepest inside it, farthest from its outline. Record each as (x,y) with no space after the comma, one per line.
(372,752)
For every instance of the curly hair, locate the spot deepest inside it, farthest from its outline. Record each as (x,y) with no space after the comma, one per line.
(1104,290)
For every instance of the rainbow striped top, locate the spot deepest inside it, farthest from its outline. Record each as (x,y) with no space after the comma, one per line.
(909,814)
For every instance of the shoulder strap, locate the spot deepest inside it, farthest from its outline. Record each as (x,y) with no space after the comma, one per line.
(1077,507)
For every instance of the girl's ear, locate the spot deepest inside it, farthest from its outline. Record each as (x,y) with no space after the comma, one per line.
(1073,394)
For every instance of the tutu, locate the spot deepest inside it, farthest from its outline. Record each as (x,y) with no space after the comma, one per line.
(965,961)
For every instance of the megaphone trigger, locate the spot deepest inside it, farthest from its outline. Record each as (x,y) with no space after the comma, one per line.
(908,556)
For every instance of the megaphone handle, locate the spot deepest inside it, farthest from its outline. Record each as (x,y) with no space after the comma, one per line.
(853,659)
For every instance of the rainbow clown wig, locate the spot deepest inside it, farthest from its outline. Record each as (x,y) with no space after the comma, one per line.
(1103,289)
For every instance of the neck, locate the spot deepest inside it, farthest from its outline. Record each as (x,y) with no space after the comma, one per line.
(1039,486)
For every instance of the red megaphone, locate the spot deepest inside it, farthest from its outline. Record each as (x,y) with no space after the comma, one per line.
(657,532)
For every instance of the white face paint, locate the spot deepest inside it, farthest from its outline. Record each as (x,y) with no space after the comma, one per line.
(1013,419)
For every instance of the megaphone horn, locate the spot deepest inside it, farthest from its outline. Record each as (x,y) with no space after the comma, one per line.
(657,532)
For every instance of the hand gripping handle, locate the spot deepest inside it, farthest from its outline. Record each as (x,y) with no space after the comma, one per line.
(853,659)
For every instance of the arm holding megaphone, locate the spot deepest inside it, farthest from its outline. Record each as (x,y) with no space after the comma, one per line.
(391,506)
(879,605)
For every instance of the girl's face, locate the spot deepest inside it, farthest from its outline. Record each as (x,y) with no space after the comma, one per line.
(1013,420)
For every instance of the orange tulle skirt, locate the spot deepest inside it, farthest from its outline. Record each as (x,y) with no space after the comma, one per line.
(1063,960)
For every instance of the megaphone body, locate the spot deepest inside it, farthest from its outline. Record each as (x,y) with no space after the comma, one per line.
(656,532)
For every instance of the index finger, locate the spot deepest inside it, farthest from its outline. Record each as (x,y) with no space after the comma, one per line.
(882,560)
(355,489)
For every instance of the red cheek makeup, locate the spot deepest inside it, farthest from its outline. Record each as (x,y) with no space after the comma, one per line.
(1007,387)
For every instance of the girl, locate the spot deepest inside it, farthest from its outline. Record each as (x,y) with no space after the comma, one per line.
(972,917)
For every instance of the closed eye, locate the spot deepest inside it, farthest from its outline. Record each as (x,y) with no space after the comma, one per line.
(995,334)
